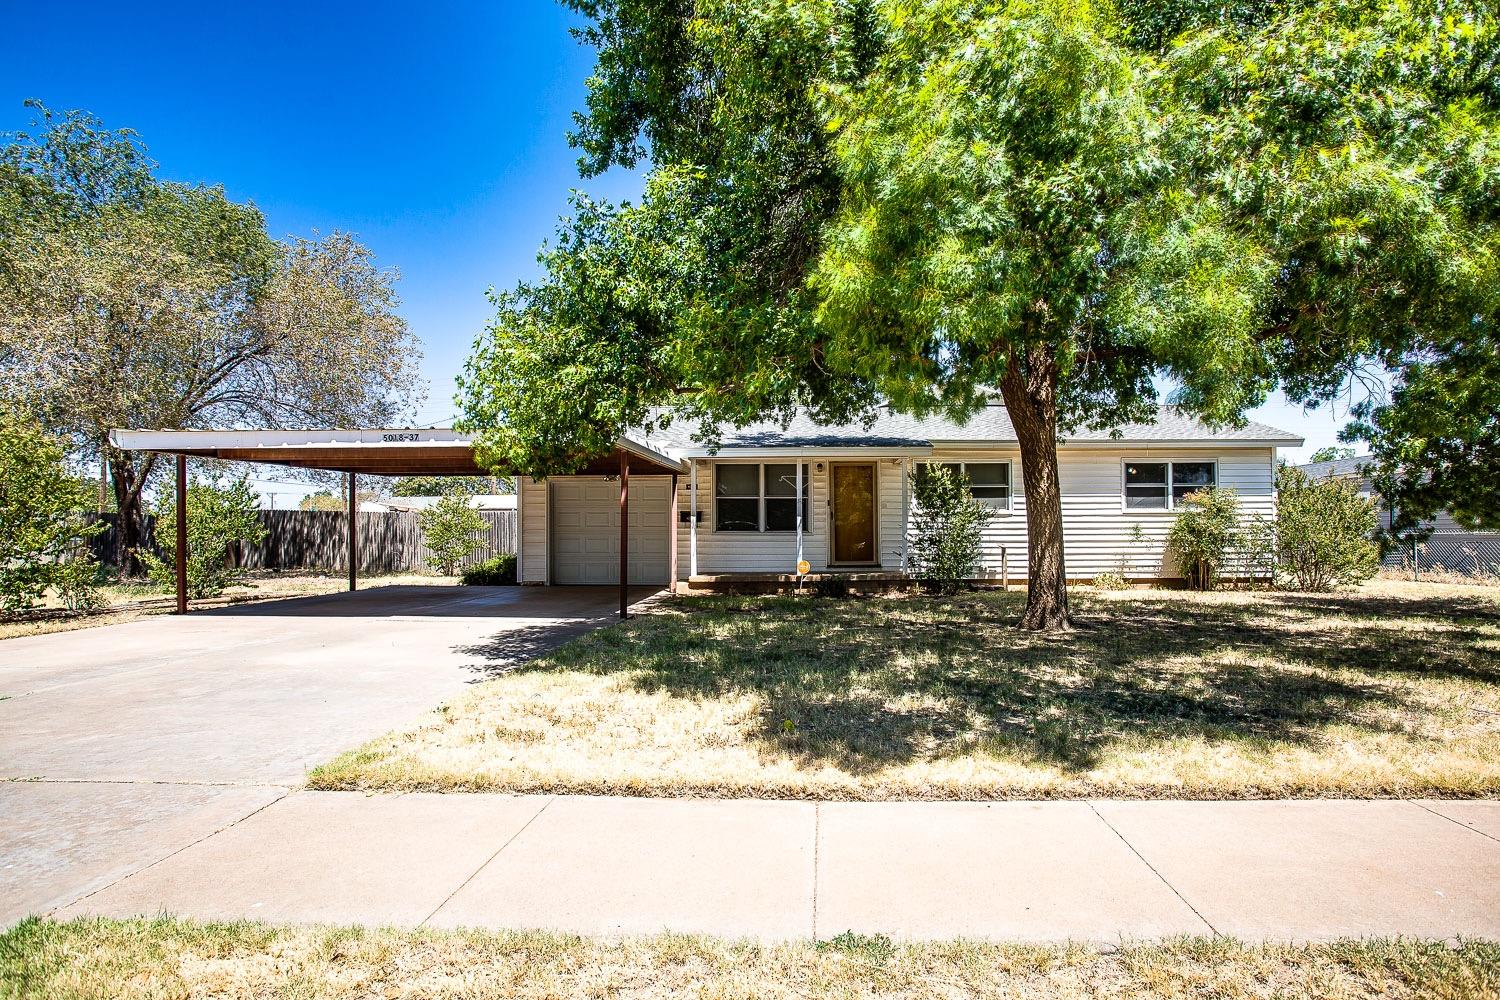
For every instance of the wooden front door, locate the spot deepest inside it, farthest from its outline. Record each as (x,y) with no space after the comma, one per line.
(854,515)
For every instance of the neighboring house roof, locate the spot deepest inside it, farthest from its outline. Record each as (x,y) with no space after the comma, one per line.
(482,501)
(990,426)
(1356,466)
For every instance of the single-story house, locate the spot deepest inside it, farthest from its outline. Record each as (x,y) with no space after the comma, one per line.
(736,512)
(702,512)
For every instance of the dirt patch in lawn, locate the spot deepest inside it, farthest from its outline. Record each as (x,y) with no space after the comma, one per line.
(102,959)
(1391,691)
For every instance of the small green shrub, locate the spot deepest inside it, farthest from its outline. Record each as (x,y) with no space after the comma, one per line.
(1206,535)
(498,571)
(43,530)
(947,528)
(1111,581)
(452,530)
(217,517)
(1324,532)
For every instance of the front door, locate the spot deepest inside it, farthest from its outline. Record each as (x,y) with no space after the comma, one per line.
(854,514)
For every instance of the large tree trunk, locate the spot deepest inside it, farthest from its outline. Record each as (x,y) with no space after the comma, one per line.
(1030,392)
(130,523)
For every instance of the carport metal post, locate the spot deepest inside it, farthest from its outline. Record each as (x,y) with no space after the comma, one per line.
(624,530)
(181,555)
(353,535)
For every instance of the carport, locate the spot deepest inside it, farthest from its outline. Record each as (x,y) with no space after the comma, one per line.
(386,452)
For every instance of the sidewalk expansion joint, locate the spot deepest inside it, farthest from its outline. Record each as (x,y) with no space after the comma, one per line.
(1442,815)
(169,856)
(1214,930)
(486,863)
(817,862)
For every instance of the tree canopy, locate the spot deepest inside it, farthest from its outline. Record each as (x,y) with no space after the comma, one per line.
(852,202)
(127,300)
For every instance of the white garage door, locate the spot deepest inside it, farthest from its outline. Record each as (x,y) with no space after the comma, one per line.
(585,519)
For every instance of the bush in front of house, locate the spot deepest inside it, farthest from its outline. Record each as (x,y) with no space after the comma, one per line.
(452,531)
(947,528)
(1206,535)
(1324,532)
(218,516)
(498,571)
(43,528)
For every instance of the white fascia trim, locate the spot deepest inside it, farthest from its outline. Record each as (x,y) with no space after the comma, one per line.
(1131,443)
(748,454)
(385,437)
(651,454)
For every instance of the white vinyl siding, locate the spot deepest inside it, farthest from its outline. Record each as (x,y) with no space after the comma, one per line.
(776,551)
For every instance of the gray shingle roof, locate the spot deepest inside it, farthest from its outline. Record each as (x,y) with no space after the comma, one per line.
(1337,467)
(990,425)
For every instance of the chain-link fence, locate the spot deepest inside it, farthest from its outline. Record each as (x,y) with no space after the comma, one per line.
(1469,554)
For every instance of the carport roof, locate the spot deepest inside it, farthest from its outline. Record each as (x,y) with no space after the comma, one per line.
(395,451)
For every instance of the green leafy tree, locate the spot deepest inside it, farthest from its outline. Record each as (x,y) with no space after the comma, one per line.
(920,204)
(1324,532)
(947,527)
(218,516)
(131,301)
(44,532)
(1435,444)
(325,500)
(436,486)
(1331,453)
(1206,535)
(452,531)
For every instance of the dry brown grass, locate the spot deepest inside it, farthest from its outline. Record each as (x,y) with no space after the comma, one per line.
(169,958)
(1392,691)
(128,602)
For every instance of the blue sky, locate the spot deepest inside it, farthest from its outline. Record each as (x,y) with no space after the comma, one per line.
(435,131)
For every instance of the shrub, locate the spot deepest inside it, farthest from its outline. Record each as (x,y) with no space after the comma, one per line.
(452,530)
(1205,535)
(946,529)
(1324,531)
(1110,580)
(496,572)
(217,517)
(43,527)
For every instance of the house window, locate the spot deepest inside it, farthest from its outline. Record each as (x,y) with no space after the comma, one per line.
(1162,485)
(759,497)
(988,481)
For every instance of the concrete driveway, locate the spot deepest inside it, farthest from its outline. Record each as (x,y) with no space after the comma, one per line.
(122,744)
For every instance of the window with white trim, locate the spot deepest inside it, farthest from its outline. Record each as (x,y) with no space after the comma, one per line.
(759,497)
(988,481)
(1162,485)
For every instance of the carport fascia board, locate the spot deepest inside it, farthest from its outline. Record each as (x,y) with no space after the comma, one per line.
(401,451)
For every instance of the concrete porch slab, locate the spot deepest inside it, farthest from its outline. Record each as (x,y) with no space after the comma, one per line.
(1023,871)
(1308,870)
(327,857)
(640,866)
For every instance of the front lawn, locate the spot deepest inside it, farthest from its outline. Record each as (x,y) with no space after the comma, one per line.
(120,960)
(1392,691)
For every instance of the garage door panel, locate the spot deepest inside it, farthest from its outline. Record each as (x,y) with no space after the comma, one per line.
(585,519)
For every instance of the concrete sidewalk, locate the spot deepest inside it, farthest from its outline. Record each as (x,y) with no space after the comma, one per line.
(1033,871)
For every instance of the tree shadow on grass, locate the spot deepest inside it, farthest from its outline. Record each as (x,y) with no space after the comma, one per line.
(863,685)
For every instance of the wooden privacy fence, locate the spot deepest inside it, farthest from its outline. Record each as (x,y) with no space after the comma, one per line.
(318,539)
